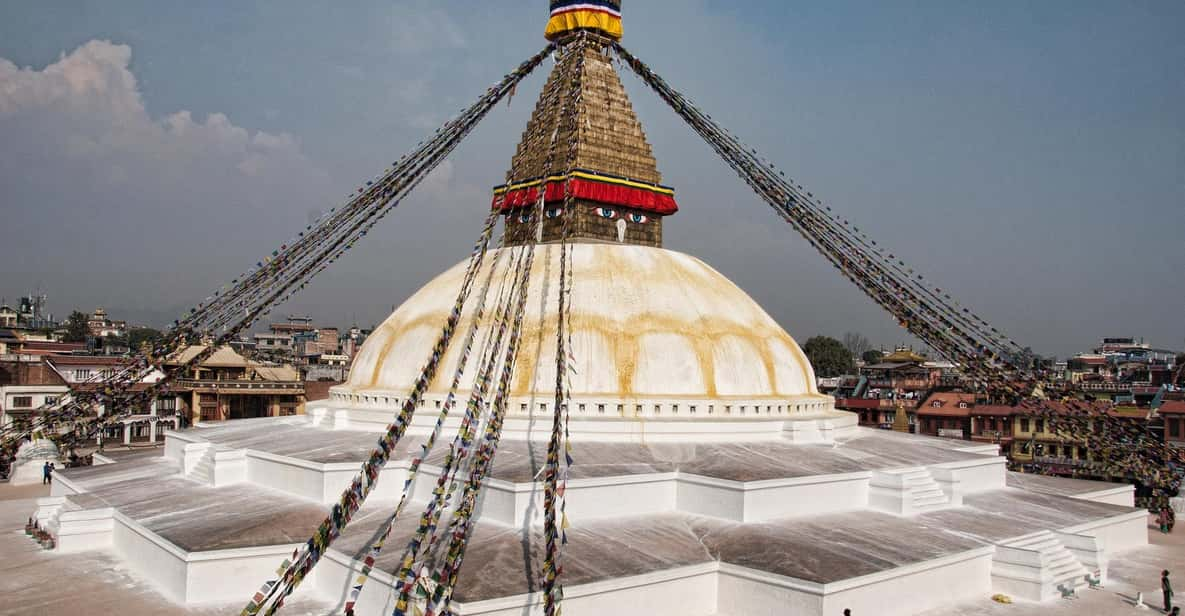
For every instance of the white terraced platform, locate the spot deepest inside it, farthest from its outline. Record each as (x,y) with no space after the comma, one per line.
(697,528)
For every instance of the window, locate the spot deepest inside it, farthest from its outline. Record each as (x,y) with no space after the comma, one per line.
(1081,453)
(51,400)
(82,374)
(1040,425)
(1174,426)
(22,402)
(1024,424)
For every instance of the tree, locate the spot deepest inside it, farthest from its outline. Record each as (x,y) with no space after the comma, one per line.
(76,327)
(828,356)
(872,356)
(140,335)
(856,344)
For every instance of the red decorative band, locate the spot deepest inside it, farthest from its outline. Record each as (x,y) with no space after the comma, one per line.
(660,201)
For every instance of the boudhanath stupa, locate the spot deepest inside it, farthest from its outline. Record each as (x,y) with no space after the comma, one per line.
(710,476)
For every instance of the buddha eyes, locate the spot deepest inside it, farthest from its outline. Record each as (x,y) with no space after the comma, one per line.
(602,212)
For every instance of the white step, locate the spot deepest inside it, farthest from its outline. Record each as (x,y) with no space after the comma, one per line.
(906,491)
(1033,567)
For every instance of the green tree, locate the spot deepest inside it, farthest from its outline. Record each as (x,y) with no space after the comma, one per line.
(140,335)
(828,356)
(872,356)
(76,328)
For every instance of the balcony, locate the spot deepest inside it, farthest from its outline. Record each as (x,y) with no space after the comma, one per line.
(874,403)
(1106,387)
(241,387)
(1056,461)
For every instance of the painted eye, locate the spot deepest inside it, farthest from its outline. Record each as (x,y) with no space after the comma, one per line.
(639,219)
(554,212)
(606,212)
(524,218)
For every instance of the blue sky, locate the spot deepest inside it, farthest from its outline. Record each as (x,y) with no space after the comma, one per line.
(1028,156)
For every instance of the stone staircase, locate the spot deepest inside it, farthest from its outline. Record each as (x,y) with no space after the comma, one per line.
(214,466)
(203,471)
(906,491)
(49,513)
(1033,567)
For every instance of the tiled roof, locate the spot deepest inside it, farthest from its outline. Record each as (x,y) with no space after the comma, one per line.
(1173,407)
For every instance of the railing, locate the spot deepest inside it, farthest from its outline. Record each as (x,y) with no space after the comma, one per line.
(240,385)
(899,383)
(1106,387)
(875,403)
(1059,461)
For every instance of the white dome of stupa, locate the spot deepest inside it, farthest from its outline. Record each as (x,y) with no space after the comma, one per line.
(655,334)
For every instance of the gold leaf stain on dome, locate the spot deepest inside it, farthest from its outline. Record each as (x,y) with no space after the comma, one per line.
(621,296)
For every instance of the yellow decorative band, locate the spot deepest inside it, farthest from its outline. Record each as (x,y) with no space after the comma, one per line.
(590,19)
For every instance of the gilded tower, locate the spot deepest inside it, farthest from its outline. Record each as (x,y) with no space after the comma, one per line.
(584,145)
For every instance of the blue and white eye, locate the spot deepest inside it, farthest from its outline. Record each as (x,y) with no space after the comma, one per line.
(639,219)
(524,218)
(606,212)
(554,212)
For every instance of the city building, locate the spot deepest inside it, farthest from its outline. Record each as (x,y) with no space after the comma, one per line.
(27,383)
(946,414)
(101,326)
(1173,413)
(8,316)
(9,342)
(226,385)
(89,372)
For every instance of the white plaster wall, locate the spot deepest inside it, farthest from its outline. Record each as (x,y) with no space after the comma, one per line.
(142,552)
(974,476)
(637,496)
(816,495)
(232,575)
(687,591)
(286,475)
(80,531)
(1124,496)
(1119,533)
(323,483)
(740,591)
(935,585)
(702,496)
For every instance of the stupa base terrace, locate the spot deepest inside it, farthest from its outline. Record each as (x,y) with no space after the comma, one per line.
(872,520)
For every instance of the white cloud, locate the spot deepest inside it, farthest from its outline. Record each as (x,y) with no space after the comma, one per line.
(80,144)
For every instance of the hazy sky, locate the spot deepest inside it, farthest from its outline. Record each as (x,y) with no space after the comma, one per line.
(1028,156)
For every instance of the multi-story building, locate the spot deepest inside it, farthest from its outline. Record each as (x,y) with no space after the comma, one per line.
(101,326)
(1173,414)
(8,316)
(226,385)
(946,414)
(27,383)
(992,423)
(9,342)
(271,342)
